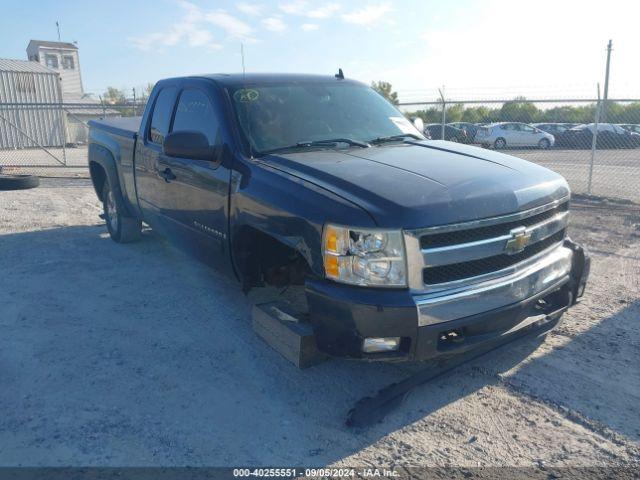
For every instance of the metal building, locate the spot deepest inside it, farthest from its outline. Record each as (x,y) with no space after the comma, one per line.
(31,114)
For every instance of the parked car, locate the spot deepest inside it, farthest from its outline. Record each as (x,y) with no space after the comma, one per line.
(319,184)
(632,127)
(609,136)
(451,134)
(553,128)
(468,127)
(513,134)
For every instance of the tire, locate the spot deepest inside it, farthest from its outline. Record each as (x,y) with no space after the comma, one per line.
(500,143)
(544,143)
(18,182)
(122,229)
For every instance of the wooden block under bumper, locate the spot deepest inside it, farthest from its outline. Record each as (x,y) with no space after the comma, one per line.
(293,340)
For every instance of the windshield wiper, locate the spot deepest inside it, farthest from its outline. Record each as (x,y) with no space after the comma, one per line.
(394,138)
(317,143)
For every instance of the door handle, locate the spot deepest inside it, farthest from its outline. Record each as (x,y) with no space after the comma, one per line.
(167,174)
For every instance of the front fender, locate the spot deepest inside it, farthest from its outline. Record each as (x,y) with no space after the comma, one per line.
(289,209)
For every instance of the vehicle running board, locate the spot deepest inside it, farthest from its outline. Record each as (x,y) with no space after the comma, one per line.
(278,324)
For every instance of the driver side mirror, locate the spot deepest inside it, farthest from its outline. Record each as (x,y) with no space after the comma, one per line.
(188,144)
(419,124)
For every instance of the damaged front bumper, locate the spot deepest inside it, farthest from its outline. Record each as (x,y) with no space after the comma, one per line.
(450,322)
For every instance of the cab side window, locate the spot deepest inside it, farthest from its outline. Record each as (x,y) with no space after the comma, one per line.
(195,113)
(161,116)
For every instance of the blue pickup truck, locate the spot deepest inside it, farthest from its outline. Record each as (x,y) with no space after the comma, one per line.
(403,248)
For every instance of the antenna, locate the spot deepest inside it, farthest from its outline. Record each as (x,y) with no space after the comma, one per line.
(242,55)
(58,28)
(339,75)
(244,85)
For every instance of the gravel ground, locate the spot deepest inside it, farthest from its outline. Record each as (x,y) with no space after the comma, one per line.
(123,355)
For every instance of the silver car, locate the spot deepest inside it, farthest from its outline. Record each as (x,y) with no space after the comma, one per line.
(513,134)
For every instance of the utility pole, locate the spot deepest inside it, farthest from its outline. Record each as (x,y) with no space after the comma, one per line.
(58,27)
(605,96)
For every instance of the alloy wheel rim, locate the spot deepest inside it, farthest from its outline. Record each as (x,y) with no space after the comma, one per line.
(112,212)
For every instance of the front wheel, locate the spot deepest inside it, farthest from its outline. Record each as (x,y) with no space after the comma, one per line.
(122,229)
(499,144)
(544,143)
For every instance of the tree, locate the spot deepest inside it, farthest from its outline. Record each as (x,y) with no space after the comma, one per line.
(478,114)
(386,90)
(430,115)
(146,92)
(455,113)
(114,96)
(519,110)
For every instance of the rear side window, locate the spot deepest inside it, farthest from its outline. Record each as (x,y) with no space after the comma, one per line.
(195,113)
(161,116)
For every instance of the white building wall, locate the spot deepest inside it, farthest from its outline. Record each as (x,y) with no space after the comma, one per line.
(71,78)
(30,115)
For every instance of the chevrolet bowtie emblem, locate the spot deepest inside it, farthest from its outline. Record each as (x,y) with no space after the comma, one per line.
(518,241)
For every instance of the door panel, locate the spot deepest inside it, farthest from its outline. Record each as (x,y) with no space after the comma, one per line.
(529,136)
(511,134)
(199,193)
(198,197)
(151,187)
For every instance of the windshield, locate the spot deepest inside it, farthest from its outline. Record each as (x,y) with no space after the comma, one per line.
(277,116)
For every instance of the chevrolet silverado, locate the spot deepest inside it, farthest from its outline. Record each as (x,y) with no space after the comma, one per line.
(403,248)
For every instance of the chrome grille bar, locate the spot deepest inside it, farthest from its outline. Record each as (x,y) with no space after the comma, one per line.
(464,252)
(420,258)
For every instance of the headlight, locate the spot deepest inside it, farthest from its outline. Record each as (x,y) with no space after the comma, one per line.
(362,256)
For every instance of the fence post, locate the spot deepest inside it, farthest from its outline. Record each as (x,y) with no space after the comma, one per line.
(104,110)
(62,118)
(444,111)
(594,143)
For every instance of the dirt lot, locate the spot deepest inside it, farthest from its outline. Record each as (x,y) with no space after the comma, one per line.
(136,355)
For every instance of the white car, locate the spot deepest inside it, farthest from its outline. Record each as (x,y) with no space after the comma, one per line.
(513,134)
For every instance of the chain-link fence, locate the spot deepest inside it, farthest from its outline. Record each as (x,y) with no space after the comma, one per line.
(594,144)
(50,139)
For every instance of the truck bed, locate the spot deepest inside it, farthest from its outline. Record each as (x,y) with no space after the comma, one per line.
(123,126)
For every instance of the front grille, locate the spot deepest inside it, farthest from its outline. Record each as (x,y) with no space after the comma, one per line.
(459,271)
(446,239)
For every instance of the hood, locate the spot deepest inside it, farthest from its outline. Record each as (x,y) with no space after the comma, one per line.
(422,184)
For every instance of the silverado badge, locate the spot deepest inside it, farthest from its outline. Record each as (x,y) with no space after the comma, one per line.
(518,241)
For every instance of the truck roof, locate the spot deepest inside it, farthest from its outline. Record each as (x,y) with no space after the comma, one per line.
(239,79)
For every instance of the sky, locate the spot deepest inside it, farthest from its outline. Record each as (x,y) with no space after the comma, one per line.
(474,49)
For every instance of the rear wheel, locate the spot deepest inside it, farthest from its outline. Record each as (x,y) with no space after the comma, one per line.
(500,143)
(122,229)
(544,143)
